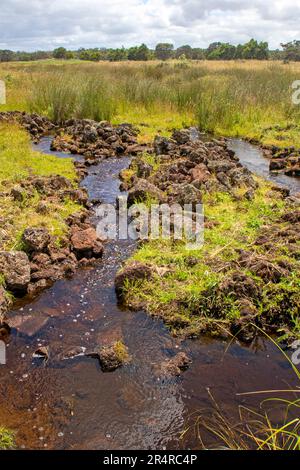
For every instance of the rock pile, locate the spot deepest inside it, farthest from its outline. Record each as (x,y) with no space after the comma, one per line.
(42,262)
(96,140)
(286,160)
(188,168)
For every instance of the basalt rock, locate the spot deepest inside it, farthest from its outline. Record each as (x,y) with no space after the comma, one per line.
(186,160)
(144,189)
(96,140)
(175,366)
(135,271)
(283,160)
(244,329)
(112,356)
(85,243)
(36,239)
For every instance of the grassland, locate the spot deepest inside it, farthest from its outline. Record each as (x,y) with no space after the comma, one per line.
(249,99)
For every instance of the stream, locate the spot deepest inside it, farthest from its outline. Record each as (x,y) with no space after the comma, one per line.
(252,158)
(72,404)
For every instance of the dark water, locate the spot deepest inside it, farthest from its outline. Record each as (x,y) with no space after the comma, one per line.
(71,404)
(252,157)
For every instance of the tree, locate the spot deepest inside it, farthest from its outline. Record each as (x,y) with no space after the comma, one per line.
(291,51)
(198,54)
(60,53)
(139,53)
(212,47)
(239,51)
(224,51)
(164,51)
(6,55)
(255,50)
(117,55)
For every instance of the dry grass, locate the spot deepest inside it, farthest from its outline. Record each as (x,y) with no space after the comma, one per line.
(233,98)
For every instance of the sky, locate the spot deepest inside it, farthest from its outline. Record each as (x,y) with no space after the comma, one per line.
(45,24)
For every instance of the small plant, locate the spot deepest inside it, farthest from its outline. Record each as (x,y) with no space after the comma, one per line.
(7,439)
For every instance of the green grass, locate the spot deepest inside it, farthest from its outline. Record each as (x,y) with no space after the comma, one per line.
(7,439)
(18,161)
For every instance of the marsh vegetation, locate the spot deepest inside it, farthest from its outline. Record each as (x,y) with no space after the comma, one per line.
(250,98)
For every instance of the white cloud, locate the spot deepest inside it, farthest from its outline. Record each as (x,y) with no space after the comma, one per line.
(45,24)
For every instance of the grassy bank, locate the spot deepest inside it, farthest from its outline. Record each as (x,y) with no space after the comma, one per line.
(249,98)
(18,162)
(248,270)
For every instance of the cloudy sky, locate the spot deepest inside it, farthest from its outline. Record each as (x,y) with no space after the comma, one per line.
(45,24)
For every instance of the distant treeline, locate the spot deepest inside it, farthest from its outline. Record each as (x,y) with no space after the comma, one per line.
(165,51)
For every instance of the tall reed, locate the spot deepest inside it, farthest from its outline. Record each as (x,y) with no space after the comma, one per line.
(230,98)
(61,96)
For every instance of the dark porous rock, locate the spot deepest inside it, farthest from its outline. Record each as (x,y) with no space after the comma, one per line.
(175,366)
(36,125)
(135,271)
(277,164)
(244,329)
(15,267)
(142,190)
(35,288)
(18,193)
(36,239)
(144,170)
(186,194)
(111,357)
(182,136)
(85,243)
(162,145)
(95,140)
(292,217)
(285,192)
(42,208)
(200,173)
